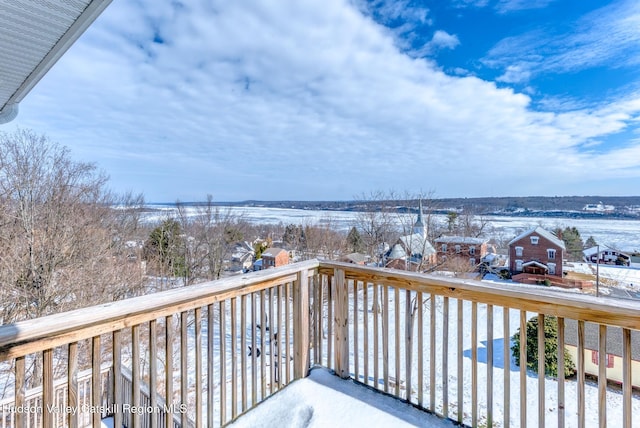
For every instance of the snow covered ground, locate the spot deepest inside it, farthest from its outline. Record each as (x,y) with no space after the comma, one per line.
(621,276)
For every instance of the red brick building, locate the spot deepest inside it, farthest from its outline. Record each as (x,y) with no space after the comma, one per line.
(274,257)
(536,251)
(472,249)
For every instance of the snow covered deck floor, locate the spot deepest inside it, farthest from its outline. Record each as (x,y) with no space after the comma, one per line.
(325,400)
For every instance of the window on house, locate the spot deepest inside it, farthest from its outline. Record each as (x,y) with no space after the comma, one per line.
(457,248)
(518,265)
(552,268)
(444,248)
(519,251)
(534,240)
(472,250)
(472,261)
(595,356)
(551,253)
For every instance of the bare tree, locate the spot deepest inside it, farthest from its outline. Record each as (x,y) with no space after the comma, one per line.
(59,235)
(210,233)
(375,222)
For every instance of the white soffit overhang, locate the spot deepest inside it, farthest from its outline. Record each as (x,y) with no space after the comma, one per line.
(34,34)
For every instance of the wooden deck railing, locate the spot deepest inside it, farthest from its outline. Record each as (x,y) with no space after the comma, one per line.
(212,351)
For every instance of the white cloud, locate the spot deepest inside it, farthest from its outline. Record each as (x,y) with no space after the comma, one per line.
(246,100)
(609,36)
(515,74)
(442,39)
(506,6)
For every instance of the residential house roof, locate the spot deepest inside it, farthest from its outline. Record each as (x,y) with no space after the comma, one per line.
(357,258)
(541,232)
(274,252)
(614,338)
(33,36)
(460,240)
(397,252)
(594,250)
(417,244)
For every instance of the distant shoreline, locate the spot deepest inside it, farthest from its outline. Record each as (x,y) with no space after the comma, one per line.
(625,207)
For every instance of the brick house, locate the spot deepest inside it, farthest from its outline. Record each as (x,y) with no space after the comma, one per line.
(274,257)
(472,249)
(536,251)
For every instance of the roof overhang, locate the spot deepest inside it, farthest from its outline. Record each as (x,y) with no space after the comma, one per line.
(33,36)
(536,264)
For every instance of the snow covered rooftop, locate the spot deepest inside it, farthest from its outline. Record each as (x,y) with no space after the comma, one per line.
(325,400)
(541,232)
(460,240)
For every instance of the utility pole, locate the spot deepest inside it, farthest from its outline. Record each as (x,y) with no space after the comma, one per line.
(598,271)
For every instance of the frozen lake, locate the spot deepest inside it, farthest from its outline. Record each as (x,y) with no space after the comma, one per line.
(620,234)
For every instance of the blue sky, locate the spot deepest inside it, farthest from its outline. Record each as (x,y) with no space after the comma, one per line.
(330,99)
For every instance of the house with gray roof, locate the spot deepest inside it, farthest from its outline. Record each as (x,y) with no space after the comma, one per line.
(614,350)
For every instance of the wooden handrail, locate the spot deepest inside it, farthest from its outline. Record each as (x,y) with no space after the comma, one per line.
(534,298)
(35,335)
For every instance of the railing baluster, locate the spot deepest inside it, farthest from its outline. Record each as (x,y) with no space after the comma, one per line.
(474,363)
(356,343)
(72,382)
(560,357)
(153,368)
(330,322)
(506,371)
(490,365)
(234,361)
(168,368)
(376,336)
(270,324)
(319,320)
(602,375)
(420,349)
(523,368)
(385,337)
(135,375)
(301,325)
(408,348)
(184,365)
(397,335)
(432,353)
(445,357)
(287,332)
(96,381)
(460,361)
(365,326)
(210,372)
(20,419)
(47,388)
(223,362)
(626,378)
(198,349)
(254,351)
(541,370)
(243,349)
(263,345)
(278,336)
(341,325)
(580,369)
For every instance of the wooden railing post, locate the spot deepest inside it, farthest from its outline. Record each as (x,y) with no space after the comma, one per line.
(341,322)
(301,325)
